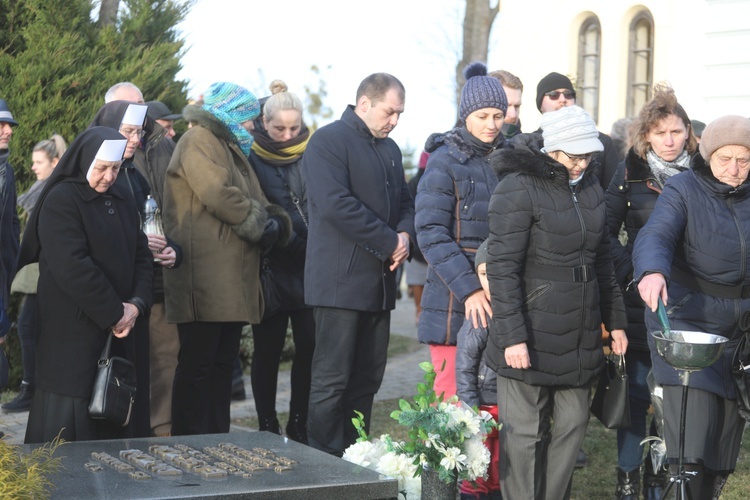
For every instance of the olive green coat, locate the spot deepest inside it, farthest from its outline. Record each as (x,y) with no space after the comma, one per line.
(215,209)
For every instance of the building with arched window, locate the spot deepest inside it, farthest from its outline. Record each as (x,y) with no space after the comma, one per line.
(616,50)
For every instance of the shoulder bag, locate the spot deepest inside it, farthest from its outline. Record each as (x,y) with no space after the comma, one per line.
(114,388)
(611,404)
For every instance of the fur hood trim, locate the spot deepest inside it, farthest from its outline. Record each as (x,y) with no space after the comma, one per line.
(206,119)
(459,149)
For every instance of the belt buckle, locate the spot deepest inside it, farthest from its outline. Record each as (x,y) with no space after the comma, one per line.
(581,274)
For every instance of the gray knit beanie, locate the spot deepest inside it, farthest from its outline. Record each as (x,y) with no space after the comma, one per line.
(725,131)
(481,91)
(482,254)
(570,129)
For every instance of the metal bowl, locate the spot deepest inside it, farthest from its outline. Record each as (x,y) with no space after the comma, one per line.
(688,350)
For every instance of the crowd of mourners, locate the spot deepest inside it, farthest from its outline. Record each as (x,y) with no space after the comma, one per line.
(530,255)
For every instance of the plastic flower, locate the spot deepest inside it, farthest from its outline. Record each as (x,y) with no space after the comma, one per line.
(452,459)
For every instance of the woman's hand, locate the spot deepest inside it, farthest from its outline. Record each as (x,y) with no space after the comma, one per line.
(167,257)
(477,308)
(517,356)
(652,288)
(619,342)
(156,243)
(126,323)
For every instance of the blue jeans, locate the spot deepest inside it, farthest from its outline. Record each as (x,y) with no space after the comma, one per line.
(629,448)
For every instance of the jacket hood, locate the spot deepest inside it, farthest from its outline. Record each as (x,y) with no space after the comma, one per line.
(458,146)
(206,119)
(529,162)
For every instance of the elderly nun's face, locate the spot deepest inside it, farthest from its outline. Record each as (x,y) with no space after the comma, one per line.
(731,164)
(103,174)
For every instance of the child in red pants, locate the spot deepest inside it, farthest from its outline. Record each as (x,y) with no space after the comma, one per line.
(476,386)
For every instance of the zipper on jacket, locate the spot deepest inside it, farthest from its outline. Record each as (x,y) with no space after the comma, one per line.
(743,246)
(583,263)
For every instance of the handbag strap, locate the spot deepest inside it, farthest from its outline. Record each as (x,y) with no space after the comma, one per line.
(107,345)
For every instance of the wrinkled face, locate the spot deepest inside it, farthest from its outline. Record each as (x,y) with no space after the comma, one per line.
(514,105)
(133,133)
(5,132)
(575,164)
(731,164)
(284,125)
(103,174)
(381,117)
(168,126)
(485,123)
(564,97)
(42,165)
(482,273)
(668,137)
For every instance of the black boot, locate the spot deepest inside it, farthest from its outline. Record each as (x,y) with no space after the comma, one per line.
(654,482)
(628,484)
(22,401)
(269,424)
(296,428)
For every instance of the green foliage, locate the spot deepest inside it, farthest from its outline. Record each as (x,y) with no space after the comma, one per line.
(316,109)
(27,475)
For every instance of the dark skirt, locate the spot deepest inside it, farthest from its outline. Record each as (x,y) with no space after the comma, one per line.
(713,429)
(56,414)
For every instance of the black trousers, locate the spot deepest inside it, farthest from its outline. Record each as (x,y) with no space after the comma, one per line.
(268,344)
(351,350)
(202,388)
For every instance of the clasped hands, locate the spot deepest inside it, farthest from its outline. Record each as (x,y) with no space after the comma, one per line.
(160,250)
(126,323)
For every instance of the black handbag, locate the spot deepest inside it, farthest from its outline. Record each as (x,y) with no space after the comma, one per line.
(611,403)
(271,296)
(114,388)
(741,375)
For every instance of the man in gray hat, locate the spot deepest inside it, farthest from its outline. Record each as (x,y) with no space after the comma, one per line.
(159,112)
(10,229)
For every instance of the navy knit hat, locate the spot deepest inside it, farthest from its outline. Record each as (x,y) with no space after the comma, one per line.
(551,82)
(481,91)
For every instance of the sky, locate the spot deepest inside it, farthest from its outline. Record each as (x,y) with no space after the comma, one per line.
(251,43)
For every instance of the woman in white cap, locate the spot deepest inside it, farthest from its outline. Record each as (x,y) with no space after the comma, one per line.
(552,285)
(692,254)
(94,281)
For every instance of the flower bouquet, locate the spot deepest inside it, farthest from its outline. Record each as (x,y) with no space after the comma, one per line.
(443,436)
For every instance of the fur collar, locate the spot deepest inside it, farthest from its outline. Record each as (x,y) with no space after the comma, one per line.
(530,162)
(637,167)
(452,139)
(206,119)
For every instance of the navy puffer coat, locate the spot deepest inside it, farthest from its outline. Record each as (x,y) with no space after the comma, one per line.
(701,227)
(551,276)
(451,222)
(630,200)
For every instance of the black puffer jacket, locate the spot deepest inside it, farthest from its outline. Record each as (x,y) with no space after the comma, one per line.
(551,276)
(630,200)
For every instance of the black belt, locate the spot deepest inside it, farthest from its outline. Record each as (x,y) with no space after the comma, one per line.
(700,285)
(576,274)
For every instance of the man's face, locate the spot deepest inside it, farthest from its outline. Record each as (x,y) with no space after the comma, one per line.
(168,126)
(5,132)
(514,105)
(563,98)
(128,94)
(382,117)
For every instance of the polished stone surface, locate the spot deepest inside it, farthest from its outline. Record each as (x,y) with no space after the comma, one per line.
(315,475)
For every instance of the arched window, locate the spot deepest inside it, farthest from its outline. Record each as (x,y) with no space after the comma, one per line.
(640,62)
(589,57)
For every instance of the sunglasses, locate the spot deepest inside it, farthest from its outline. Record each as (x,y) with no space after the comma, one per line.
(555,94)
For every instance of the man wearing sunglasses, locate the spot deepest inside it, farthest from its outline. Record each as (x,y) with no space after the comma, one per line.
(555,91)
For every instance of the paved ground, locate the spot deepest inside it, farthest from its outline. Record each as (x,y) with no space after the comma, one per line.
(402,373)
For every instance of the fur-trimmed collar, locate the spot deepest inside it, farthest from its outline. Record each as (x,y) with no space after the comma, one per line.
(530,162)
(637,168)
(206,119)
(458,147)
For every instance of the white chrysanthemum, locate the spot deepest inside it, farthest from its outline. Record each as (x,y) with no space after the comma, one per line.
(478,458)
(433,440)
(413,487)
(399,467)
(453,459)
(365,453)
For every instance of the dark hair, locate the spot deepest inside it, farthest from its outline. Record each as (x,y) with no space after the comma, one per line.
(507,79)
(662,105)
(377,85)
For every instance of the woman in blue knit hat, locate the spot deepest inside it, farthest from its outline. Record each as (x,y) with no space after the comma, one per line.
(451,219)
(215,209)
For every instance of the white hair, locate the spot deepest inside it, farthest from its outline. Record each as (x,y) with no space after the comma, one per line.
(110,95)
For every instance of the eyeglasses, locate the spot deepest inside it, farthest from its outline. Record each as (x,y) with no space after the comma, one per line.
(577,159)
(555,94)
(133,133)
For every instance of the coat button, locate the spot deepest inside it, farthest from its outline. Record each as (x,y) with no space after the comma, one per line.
(244,172)
(111,211)
(108,203)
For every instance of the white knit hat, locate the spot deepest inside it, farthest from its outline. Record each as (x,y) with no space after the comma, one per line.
(570,129)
